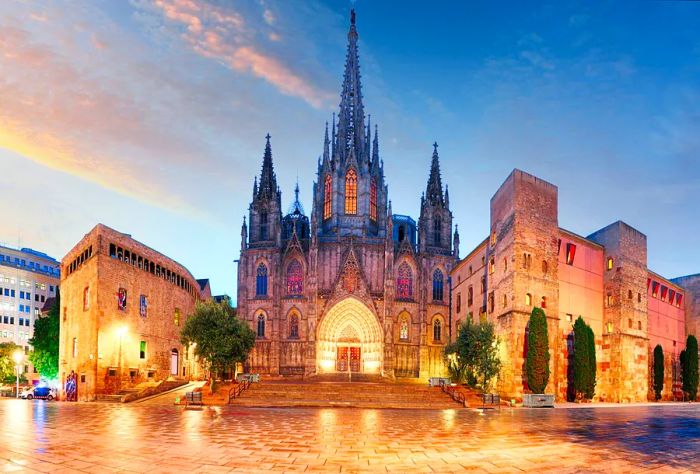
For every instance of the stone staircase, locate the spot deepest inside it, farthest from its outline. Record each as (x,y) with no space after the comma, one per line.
(361,394)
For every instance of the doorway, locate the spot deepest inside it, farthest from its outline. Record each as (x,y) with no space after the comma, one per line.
(174,362)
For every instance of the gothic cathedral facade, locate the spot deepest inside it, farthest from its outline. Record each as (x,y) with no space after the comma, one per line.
(352,288)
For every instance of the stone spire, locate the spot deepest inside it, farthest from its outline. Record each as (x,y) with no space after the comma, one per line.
(268,181)
(296,208)
(455,245)
(244,235)
(326,142)
(351,116)
(375,149)
(334,138)
(433,193)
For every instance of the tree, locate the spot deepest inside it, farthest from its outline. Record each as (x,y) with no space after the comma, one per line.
(8,373)
(473,357)
(584,359)
(689,367)
(221,339)
(658,371)
(593,369)
(537,362)
(44,356)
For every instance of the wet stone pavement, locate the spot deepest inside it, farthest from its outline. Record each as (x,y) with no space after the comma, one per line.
(61,437)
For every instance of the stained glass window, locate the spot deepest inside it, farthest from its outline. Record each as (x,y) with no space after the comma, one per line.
(403,329)
(437,330)
(327,193)
(351,192)
(373,200)
(295,278)
(437,285)
(294,326)
(261,280)
(261,325)
(404,282)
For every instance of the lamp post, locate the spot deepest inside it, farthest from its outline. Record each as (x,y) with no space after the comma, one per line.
(18,360)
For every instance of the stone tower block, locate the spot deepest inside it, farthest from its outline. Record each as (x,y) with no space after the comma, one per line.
(522,272)
(625,328)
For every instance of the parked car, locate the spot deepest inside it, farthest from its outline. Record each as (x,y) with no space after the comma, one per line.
(46,393)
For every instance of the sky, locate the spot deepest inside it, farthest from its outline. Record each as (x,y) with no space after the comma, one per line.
(149,116)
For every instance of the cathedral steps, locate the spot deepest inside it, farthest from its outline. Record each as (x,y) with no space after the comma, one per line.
(345,394)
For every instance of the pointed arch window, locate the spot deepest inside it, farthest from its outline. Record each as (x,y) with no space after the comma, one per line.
(294,326)
(261,326)
(404,282)
(261,280)
(437,285)
(437,231)
(437,330)
(351,192)
(295,278)
(373,200)
(403,329)
(327,193)
(263,225)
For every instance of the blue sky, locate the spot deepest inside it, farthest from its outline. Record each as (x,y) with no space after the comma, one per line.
(150,115)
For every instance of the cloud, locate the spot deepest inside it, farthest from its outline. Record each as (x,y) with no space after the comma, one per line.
(224,35)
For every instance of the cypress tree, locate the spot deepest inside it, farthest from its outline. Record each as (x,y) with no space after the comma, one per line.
(658,371)
(537,362)
(690,367)
(581,357)
(592,368)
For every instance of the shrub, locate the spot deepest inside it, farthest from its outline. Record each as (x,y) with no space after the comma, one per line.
(689,367)
(658,371)
(537,362)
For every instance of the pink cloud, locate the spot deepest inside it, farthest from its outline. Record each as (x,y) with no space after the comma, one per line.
(223,35)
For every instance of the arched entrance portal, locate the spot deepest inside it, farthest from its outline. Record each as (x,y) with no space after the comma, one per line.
(349,339)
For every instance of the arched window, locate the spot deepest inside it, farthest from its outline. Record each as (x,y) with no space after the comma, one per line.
(295,278)
(403,329)
(294,326)
(437,230)
(437,285)
(470,296)
(545,267)
(373,200)
(437,330)
(543,303)
(261,326)
(261,280)
(528,299)
(610,263)
(327,193)
(402,233)
(263,225)
(351,192)
(404,282)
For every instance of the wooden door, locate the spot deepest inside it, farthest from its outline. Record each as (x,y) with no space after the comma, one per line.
(355,359)
(341,363)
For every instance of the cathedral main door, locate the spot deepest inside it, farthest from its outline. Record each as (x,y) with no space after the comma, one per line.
(348,356)
(349,338)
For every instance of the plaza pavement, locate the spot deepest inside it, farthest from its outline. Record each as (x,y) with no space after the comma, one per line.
(39,436)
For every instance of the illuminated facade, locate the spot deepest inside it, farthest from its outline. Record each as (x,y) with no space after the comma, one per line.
(28,279)
(123,306)
(528,261)
(351,288)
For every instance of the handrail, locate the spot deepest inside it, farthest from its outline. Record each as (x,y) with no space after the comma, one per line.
(238,389)
(452,391)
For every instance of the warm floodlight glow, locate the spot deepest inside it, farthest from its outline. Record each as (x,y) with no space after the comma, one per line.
(121,330)
(17,356)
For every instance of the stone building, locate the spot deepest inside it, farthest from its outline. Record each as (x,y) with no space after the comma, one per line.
(528,260)
(28,279)
(123,305)
(353,287)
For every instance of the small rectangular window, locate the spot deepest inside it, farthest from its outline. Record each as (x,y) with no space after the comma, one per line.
(142,350)
(570,253)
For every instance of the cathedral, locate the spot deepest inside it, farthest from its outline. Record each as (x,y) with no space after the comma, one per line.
(352,288)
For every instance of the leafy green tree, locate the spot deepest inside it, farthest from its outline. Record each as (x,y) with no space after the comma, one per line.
(658,371)
(221,339)
(44,356)
(537,362)
(8,374)
(593,368)
(582,360)
(473,357)
(689,367)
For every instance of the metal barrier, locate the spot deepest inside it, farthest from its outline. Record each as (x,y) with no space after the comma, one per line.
(452,391)
(238,389)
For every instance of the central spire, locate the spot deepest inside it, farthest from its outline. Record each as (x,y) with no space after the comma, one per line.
(434,189)
(351,117)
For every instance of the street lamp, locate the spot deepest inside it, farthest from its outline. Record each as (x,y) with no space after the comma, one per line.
(18,360)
